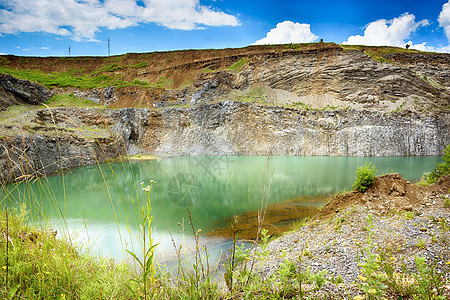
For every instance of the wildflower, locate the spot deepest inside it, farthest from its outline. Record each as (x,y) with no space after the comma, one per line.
(372,291)
(142,183)
(358,297)
(362,278)
(393,258)
(448,263)
(63,296)
(152,181)
(4,267)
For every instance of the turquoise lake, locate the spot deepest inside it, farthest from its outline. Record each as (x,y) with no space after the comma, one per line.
(99,203)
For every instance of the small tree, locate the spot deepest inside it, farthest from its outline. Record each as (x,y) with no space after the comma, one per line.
(365,176)
(407,46)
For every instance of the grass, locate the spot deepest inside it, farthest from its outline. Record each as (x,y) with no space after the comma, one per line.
(165,82)
(238,66)
(36,265)
(257,95)
(69,78)
(69,100)
(376,53)
(77,78)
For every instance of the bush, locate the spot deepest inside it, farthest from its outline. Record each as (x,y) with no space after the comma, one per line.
(365,176)
(442,169)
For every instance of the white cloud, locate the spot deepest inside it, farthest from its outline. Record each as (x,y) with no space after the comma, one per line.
(83,19)
(444,19)
(388,33)
(288,32)
(44,48)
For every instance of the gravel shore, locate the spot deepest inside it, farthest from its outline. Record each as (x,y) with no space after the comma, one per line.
(408,221)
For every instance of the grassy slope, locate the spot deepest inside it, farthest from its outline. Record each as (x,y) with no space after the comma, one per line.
(128,69)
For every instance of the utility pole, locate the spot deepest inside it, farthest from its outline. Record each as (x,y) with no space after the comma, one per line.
(109,48)
(69,51)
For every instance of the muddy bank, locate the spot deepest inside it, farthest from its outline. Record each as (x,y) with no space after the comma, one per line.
(276,218)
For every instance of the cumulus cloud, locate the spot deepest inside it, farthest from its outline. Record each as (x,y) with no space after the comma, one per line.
(288,32)
(444,19)
(83,19)
(388,32)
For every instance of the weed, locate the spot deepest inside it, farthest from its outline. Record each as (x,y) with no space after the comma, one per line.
(338,223)
(368,261)
(421,244)
(409,215)
(296,226)
(148,271)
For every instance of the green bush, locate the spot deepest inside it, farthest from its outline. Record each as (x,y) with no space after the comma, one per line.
(442,169)
(365,176)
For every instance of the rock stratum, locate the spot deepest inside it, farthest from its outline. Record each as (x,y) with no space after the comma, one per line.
(315,99)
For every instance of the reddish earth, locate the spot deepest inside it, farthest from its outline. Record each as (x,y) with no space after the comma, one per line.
(389,193)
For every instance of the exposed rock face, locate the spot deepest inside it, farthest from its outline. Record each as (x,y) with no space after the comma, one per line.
(43,141)
(25,157)
(17,91)
(70,137)
(237,128)
(325,76)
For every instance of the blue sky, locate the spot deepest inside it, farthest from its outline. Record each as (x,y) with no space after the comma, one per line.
(50,27)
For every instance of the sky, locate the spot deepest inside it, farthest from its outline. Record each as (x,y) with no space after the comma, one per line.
(51,27)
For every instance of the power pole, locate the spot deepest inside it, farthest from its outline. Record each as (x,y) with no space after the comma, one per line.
(69,51)
(109,48)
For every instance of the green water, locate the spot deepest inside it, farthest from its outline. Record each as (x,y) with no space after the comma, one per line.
(213,187)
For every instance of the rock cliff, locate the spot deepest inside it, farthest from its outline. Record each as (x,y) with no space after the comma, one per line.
(318,99)
(57,138)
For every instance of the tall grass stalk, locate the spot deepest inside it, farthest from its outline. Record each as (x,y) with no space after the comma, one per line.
(148,271)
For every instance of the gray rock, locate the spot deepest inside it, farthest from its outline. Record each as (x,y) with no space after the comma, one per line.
(15,91)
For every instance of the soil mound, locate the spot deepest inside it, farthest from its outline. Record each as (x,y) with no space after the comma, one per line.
(389,193)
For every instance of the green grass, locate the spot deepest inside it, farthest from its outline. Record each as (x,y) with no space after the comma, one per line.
(36,265)
(69,100)
(238,66)
(140,82)
(69,78)
(164,82)
(77,78)
(207,70)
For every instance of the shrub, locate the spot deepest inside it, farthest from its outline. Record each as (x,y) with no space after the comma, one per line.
(365,176)
(441,169)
